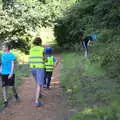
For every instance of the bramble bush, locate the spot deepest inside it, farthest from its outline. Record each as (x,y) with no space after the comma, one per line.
(91,85)
(88,90)
(87,17)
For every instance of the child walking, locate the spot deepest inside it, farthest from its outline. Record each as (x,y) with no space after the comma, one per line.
(8,72)
(37,66)
(49,67)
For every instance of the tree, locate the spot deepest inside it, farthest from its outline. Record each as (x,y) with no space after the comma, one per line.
(101,17)
(7,4)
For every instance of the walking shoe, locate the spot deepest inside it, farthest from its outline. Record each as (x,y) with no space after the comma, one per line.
(5,103)
(45,86)
(17,98)
(48,88)
(41,96)
(38,104)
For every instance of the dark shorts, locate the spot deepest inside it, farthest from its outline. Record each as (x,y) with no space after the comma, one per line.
(6,81)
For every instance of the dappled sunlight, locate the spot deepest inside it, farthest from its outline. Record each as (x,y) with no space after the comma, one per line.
(46,34)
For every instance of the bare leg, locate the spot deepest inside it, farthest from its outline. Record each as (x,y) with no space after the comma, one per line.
(14,90)
(86,53)
(85,48)
(5,93)
(15,93)
(38,92)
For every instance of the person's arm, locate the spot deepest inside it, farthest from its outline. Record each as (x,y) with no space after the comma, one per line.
(88,43)
(89,40)
(0,64)
(0,68)
(12,70)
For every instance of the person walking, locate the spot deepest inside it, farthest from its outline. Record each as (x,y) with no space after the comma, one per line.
(7,71)
(49,66)
(37,66)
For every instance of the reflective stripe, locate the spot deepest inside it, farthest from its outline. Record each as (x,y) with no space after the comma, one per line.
(35,57)
(37,50)
(36,62)
(49,69)
(37,66)
(49,65)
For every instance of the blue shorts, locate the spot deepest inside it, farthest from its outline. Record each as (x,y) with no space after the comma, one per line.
(38,74)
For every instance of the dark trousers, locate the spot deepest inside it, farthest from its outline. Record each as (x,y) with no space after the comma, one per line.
(47,80)
(85,45)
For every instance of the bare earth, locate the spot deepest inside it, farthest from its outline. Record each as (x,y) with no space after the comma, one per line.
(52,110)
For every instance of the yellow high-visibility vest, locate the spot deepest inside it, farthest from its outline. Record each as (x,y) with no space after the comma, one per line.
(49,64)
(36,58)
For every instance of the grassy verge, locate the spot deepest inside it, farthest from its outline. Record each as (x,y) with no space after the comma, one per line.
(88,90)
(21,72)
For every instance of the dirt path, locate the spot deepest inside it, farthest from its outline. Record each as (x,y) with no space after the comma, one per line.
(25,111)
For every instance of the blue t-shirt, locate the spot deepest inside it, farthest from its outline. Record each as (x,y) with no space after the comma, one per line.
(6,62)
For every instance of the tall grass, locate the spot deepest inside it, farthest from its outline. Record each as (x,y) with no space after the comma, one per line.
(87,88)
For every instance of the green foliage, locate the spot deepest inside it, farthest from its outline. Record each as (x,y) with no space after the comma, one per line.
(88,16)
(13,30)
(19,23)
(77,72)
(93,95)
(22,58)
(101,17)
(7,4)
(107,113)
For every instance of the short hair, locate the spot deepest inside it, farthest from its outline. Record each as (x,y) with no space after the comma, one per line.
(7,45)
(37,41)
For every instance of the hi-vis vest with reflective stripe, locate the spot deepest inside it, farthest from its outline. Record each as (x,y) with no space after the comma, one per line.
(36,57)
(49,64)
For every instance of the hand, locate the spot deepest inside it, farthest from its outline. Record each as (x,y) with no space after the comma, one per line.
(10,76)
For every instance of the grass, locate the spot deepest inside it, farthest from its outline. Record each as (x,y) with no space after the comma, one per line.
(89,89)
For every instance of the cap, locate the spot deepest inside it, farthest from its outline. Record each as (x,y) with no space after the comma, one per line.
(48,50)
